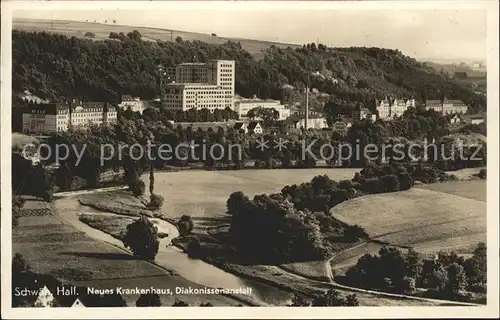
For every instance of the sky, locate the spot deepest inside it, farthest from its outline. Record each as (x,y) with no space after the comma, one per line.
(437,34)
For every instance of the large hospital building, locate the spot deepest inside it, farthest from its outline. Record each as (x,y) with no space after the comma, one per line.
(199,85)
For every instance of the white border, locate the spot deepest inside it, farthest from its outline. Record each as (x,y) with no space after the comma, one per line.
(491,310)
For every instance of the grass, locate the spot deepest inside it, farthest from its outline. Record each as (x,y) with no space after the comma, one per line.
(426,220)
(102,30)
(310,269)
(60,250)
(113,225)
(121,202)
(475,190)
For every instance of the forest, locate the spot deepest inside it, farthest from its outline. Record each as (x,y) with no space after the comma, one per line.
(53,65)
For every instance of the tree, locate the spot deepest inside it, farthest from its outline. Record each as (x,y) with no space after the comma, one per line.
(142,238)
(178,39)
(113,35)
(475,266)
(148,300)
(236,203)
(185,225)
(155,202)
(134,35)
(482,174)
(89,35)
(138,188)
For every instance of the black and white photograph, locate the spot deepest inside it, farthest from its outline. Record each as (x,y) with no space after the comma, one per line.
(249,154)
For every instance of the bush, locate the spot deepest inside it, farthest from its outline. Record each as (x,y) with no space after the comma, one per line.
(19,265)
(299,301)
(206,304)
(180,303)
(155,202)
(142,238)
(405,285)
(194,248)
(482,174)
(148,300)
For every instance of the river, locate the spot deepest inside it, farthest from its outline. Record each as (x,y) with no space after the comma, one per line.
(171,257)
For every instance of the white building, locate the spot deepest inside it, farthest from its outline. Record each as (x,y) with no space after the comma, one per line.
(312,123)
(243,106)
(199,85)
(48,118)
(390,108)
(134,103)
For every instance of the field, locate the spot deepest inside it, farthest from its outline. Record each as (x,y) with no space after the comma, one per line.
(203,194)
(447,216)
(101,31)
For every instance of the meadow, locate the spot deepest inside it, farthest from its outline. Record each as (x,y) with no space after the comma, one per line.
(102,30)
(447,216)
(203,194)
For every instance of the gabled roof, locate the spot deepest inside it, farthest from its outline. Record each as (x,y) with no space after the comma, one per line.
(239,125)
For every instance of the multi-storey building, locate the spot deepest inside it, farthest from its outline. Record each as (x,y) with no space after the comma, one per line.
(390,108)
(135,104)
(57,117)
(199,85)
(243,106)
(446,106)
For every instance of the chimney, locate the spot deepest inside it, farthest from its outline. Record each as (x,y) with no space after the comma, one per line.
(307,107)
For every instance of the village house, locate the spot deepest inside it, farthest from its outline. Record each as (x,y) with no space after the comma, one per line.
(363,113)
(456,119)
(134,103)
(255,127)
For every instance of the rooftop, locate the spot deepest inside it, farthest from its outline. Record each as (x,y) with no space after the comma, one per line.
(259,101)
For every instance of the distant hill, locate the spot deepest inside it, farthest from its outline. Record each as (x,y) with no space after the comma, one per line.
(102,31)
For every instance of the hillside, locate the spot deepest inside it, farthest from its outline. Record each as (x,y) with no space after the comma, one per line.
(50,65)
(102,31)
